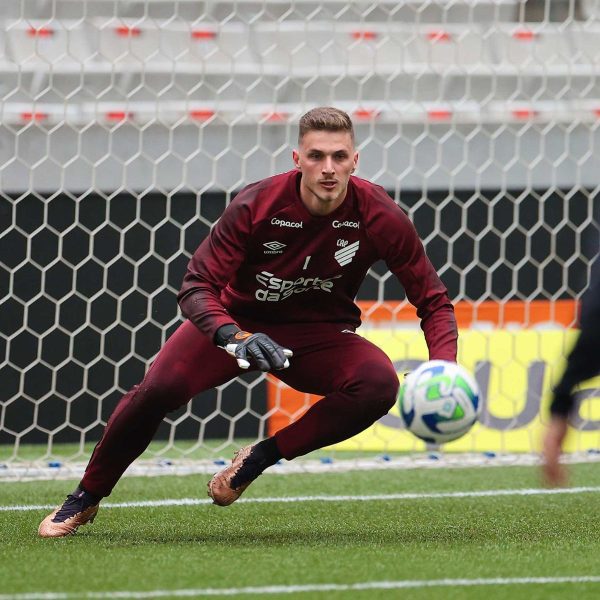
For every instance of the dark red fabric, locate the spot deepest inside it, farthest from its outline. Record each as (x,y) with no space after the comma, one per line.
(356,378)
(269,266)
(270,260)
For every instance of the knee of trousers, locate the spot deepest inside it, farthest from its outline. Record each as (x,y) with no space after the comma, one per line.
(162,397)
(377,385)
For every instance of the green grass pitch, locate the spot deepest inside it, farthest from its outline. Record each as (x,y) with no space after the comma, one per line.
(193,550)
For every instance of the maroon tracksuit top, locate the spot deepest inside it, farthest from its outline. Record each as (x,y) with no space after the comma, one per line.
(269,260)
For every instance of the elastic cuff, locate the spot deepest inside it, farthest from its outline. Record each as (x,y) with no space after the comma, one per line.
(93,497)
(224,333)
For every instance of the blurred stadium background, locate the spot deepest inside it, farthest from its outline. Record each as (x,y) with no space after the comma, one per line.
(127,127)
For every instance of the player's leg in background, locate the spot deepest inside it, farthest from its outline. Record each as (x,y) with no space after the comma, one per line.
(188,364)
(356,378)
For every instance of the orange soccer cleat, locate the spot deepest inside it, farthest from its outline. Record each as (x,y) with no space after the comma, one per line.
(78,509)
(229,484)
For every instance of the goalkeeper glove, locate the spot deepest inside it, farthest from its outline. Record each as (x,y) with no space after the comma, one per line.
(244,346)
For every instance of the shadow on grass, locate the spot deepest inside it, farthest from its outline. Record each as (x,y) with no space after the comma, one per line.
(330,534)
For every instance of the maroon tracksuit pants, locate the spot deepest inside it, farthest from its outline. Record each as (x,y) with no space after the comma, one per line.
(357,380)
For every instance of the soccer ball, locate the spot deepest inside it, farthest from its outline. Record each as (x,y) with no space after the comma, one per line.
(439,401)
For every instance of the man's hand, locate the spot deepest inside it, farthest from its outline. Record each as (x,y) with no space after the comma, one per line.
(266,353)
(554,472)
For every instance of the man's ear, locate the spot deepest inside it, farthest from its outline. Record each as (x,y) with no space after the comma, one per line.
(296,158)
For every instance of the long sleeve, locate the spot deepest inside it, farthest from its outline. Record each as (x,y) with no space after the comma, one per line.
(213,265)
(405,257)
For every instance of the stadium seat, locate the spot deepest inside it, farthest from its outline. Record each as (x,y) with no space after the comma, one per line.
(281,59)
(590,9)
(529,47)
(449,47)
(369,47)
(174,46)
(339,11)
(59,44)
(585,45)
(297,47)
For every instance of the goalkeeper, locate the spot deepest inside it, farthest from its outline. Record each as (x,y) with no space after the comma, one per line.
(582,364)
(272,288)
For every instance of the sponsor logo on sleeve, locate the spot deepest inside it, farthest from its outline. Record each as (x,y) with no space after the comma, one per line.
(275,289)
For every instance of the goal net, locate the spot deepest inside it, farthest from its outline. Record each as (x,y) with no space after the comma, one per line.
(127,127)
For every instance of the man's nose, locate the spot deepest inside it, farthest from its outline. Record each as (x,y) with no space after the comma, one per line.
(328,165)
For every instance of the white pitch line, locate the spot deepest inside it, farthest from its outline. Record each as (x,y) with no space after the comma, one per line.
(299,589)
(292,499)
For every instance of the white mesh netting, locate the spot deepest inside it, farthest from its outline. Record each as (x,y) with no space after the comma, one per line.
(127,126)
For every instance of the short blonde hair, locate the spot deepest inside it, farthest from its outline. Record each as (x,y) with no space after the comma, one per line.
(325,118)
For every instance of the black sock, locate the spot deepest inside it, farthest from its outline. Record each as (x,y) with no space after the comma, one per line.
(263,455)
(267,452)
(91,498)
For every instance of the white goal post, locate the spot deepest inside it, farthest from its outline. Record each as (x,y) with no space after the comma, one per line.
(127,127)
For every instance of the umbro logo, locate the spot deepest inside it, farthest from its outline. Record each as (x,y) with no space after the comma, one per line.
(345,255)
(274,247)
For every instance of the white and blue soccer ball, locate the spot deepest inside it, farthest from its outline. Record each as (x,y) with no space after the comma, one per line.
(439,402)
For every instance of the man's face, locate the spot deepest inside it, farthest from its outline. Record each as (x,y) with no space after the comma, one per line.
(326,160)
